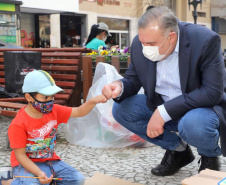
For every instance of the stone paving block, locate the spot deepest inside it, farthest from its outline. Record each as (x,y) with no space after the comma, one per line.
(132,164)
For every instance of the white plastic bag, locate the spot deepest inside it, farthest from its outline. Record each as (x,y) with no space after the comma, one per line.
(99,129)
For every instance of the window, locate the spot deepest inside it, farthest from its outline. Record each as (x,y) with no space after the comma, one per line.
(200,14)
(219,25)
(119,29)
(44,30)
(8,27)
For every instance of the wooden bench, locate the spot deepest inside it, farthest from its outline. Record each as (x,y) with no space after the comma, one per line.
(65,67)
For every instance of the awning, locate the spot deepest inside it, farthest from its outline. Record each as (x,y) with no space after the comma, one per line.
(7,6)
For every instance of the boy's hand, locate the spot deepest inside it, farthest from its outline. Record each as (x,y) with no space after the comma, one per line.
(44,179)
(99,99)
(86,107)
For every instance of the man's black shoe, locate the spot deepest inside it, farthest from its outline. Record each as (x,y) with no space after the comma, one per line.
(211,163)
(173,161)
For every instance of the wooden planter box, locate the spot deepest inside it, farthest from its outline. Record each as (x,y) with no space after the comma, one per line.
(88,68)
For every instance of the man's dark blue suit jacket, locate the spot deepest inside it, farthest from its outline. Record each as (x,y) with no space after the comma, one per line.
(202,75)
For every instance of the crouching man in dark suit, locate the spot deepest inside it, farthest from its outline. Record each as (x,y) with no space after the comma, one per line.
(181,68)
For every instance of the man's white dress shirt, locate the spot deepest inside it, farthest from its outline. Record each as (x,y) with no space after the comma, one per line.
(168,80)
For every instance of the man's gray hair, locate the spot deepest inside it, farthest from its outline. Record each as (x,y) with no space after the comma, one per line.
(163,16)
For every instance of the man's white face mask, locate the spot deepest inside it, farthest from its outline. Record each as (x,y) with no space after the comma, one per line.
(152,52)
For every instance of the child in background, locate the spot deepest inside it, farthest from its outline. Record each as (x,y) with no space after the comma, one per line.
(32,133)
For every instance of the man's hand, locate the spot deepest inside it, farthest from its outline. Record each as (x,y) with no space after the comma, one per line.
(112,90)
(155,125)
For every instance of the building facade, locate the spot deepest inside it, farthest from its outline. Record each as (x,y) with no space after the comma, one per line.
(52,23)
(65,23)
(185,12)
(122,16)
(218,15)
(9,21)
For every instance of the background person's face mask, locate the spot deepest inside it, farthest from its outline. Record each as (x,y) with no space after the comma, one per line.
(105,38)
(152,52)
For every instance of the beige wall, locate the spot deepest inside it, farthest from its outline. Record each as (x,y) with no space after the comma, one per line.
(60,5)
(181,8)
(127,8)
(218,8)
(200,20)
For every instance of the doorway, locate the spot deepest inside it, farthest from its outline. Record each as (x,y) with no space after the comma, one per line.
(70,30)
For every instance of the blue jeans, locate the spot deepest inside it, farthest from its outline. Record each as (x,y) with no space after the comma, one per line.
(198,127)
(62,170)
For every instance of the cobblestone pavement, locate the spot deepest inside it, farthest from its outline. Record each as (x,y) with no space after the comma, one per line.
(132,164)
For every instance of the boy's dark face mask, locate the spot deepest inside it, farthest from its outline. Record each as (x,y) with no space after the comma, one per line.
(43,107)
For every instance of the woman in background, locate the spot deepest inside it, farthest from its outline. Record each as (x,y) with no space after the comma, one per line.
(97,36)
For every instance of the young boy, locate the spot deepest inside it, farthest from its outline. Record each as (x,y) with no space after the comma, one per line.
(32,133)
